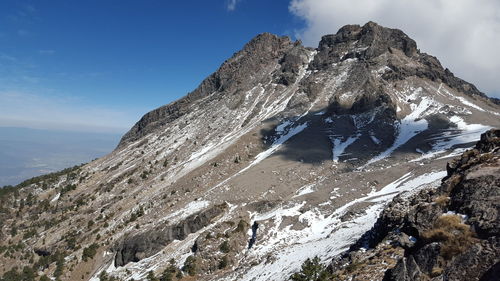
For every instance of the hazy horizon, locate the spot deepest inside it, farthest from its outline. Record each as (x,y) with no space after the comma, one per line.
(26,152)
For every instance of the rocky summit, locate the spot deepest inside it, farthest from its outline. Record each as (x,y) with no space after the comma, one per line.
(287,162)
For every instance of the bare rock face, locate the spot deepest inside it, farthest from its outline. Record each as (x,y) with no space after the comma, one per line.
(362,42)
(143,245)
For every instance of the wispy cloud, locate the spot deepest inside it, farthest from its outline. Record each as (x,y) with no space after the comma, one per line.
(231,4)
(67,113)
(463,34)
(7,58)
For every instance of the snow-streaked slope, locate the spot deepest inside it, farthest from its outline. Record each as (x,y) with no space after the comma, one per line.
(463,134)
(410,126)
(325,235)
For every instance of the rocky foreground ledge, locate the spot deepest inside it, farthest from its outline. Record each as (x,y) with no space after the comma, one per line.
(447,233)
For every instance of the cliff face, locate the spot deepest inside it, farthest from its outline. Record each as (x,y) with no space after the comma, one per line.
(447,233)
(282,154)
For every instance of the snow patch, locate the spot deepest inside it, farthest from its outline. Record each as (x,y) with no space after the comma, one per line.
(306,189)
(375,140)
(463,134)
(470,104)
(58,195)
(189,209)
(339,146)
(410,126)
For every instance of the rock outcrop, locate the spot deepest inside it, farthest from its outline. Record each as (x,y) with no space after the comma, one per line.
(454,228)
(146,244)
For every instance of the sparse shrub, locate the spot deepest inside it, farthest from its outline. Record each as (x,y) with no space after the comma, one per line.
(453,235)
(30,233)
(224,247)
(13,231)
(67,188)
(190,266)
(352,267)
(237,159)
(26,274)
(312,270)
(71,241)
(80,202)
(103,276)
(44,205)
(135,215)
(223,263)
(59,266)
(242,225)
(89,252)
(151,276)
(168,273)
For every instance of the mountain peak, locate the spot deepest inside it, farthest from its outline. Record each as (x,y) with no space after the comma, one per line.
(372,36)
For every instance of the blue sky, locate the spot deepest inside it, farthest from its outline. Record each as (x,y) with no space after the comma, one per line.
(118,59)
(99,65)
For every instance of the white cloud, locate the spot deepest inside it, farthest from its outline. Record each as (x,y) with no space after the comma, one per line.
(231,4)
(21,109)
(463,34)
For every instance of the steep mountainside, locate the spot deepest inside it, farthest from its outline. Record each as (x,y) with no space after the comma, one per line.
(283,154)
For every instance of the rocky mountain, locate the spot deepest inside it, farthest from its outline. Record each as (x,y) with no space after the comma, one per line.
(446,233)
(284,153)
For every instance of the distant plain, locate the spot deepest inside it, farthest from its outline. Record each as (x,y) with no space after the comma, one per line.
(25,152)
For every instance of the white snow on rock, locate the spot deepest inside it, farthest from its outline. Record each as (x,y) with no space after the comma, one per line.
(324,236)
(470,104)
(375,139)
(58,195)
(292,131)
(189,209)
(463,134)
(410,126)
(306,189)
(340,145)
